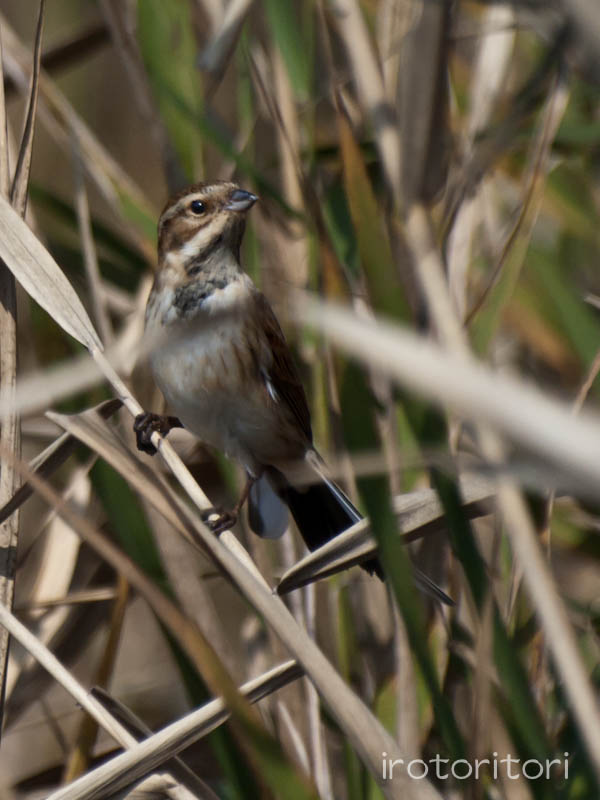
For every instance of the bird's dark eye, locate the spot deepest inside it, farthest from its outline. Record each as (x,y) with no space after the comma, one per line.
(197,207)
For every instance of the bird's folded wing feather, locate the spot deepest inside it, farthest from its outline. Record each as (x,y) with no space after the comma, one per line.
(282,378)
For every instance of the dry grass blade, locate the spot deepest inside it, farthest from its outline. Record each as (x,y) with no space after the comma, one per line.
(492,61)
(71,51)
(501,137)
(90,428)
(420,513)
(489,77)
(154,751)
(103,439)
(545,531)
(50,459)
(43,388)
(80,755)
(39,274)
(148,482)
(134,724)
(72,598)
(194,644)
(10,442)
(187,634)
(213,10)
(18,196)
(90,257)
(59,549)
(85,699)
(155,787)
(44,657)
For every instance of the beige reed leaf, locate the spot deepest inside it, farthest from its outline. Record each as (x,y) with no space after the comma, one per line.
(154,751)
(90,428)
(50,459)
(20,184)
(42,278)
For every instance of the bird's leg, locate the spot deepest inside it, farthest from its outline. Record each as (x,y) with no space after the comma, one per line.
(147,423)
(227,519)
(250,481)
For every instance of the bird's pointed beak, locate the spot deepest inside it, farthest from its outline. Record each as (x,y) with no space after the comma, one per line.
(241,200)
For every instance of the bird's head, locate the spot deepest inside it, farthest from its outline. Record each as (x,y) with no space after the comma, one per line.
(202,224)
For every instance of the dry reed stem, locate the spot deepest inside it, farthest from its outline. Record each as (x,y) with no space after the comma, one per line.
(90,257)
(79,758)
(10,435)
(4,166)
(188,780)
(149,754)
(59,547)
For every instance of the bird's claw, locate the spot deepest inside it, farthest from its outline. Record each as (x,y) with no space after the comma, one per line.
(224,519)
(145,425)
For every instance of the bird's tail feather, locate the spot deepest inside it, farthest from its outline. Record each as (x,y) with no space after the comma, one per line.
(322,511)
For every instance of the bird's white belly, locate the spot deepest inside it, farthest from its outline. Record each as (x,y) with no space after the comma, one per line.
(209,384)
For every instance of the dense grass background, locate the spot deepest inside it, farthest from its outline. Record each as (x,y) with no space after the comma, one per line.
(432,168)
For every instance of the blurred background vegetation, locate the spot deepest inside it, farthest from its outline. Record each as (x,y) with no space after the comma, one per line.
(342,117)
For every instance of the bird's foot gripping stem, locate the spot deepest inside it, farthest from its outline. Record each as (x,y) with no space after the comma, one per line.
(148,423)
(224,519)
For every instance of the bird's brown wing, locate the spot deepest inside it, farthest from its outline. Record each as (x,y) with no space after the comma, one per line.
(282,374)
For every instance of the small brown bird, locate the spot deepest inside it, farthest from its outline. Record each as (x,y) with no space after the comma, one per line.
(224,367)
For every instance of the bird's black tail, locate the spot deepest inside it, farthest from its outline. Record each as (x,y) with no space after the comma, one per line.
(321,512)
